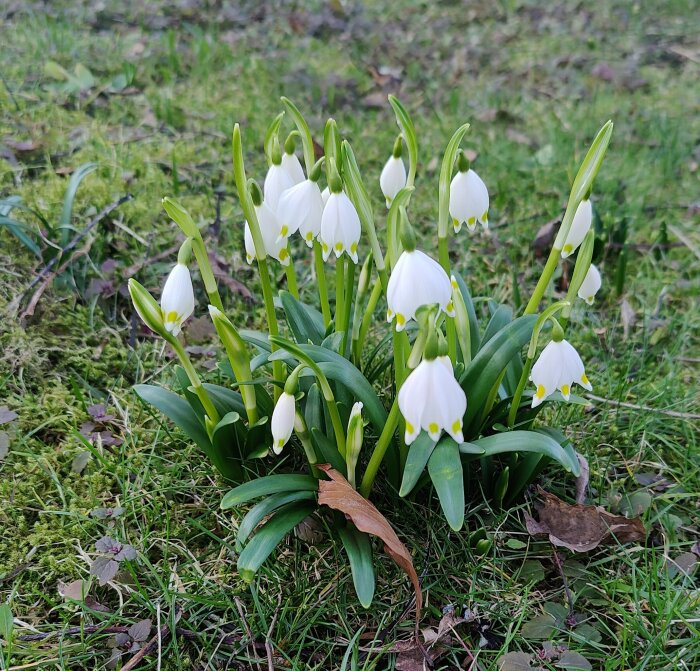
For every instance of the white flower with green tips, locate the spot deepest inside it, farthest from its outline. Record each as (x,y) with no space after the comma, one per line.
(340,227)
(177,299)
(469,198)
(282,422)
(558,367)
(431,399)
(301,209)
(583,219)
(591,285)
(275,246)
(416,280)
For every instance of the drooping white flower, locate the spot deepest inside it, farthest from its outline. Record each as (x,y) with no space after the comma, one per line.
(291,164)
(282,422)
(469,201)
(340,227)
(579,227)
(277,181)
(558,367)
(301,208)
(431,399)
(392,178)
(275,246)
(415,281)
(591,285)
(177,299)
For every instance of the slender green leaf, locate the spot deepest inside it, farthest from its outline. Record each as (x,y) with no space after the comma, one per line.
(225,400)
(21,232)
(339,369)
(445,469)
(304,132)
(272,132)
(408,131)
(487,366)
(305,322)
(76,178)
(176,409)
(7,623)
(528,441)
(268,484)
(471,312)
(418,454)
(359,550)
(328,450)
(501,316)
(261,510)
(268,537)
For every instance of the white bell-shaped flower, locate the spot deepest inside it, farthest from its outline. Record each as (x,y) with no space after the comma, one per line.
(340,227)
(275,246)
(558,367)
(291,164)
(301,208)
(392,178)
(469,199)
(282,422)
(431,399)
(277,181)
(579,227)
(177,299)
(415,281)
(591,285)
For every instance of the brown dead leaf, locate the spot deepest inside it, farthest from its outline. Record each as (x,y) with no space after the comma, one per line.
(339,495)
(579,527)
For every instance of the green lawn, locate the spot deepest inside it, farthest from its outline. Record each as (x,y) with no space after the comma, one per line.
(536,82)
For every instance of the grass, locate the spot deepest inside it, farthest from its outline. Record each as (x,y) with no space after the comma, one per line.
(536,84)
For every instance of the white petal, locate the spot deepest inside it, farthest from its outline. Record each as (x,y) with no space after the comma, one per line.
(575,370)
(412,399)
(392,178)
(291,164)
(177,299)
(325,194)
(591,285)
(249,244)
(277,181)
(545,373)
(579,227)
(300,208)
(282,422)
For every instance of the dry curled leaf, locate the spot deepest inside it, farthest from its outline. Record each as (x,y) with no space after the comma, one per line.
(579,527)
(339,495)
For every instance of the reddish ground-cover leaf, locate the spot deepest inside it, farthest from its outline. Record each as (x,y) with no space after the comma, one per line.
(579,527)
(339,495)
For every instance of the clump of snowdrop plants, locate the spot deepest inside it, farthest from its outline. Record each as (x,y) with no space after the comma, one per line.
(330,384)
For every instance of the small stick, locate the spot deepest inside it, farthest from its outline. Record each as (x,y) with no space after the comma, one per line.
(646,408)
(268,639)
(567,589)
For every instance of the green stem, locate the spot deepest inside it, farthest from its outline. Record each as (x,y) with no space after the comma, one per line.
(367,317)
(320,268)
(304,436)
(339,292)
(349,286)
(444,258)
(277,366)
(380,450)
(291,273)
(194,379)
(515,404)
(543,282)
